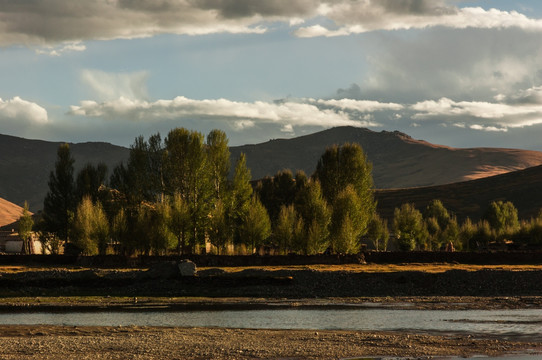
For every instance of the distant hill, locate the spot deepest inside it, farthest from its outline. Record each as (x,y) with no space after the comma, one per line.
(471,198)
(25,165)
(9,212)
(398,160)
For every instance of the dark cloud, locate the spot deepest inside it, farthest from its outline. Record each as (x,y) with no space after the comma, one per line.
(248,8)
(417,7)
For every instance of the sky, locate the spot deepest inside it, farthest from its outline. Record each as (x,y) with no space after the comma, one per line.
(456,73)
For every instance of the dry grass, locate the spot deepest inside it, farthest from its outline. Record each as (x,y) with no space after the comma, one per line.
(387,268)
(368,268)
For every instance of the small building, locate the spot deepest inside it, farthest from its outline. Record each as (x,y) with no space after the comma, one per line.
(11,243)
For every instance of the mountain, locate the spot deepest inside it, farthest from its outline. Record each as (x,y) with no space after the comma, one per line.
(398,160)
(25,165)
(9,212)
(471,198)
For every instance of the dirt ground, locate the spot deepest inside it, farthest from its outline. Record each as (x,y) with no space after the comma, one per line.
(60,342)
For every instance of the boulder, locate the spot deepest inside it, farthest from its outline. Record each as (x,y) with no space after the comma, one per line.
(187,268)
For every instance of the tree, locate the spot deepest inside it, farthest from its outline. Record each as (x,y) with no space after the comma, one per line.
(256,226)
(316,215)
(338,169)
(89,179)
(25,228)
(188,174)
(91,228)
(60,202)
(409,227)
(180,221)
(284,232)
(348,222)
(436,210)
(377,232)
(239,198)
(277,191)
(218,155)
(219,231)
(502,215)
(346,165)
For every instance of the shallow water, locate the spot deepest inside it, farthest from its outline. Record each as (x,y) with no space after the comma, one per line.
(525,323)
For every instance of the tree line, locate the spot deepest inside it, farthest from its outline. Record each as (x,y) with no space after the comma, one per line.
(178,195)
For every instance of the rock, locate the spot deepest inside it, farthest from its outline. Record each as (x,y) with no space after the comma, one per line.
(187,268)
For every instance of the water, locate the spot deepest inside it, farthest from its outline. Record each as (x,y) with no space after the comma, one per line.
(506,323)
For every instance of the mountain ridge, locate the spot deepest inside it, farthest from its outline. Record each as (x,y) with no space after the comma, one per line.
(399,161)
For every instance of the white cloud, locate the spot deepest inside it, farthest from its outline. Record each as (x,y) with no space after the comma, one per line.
(484,110)
(358,105)
(63,48)
(240,114)
(21,112)
(110,86)
(370,15)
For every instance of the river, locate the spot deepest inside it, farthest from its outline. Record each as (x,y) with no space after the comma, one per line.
(518,323)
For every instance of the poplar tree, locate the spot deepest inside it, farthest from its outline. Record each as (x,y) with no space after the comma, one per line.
(239,198)
(256,226)
(218,155)
(25,228)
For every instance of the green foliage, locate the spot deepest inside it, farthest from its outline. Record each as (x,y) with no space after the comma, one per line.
(180,222)
(218,155)
(436,210)
(502,215)
(59,204)
(451,235)
(219,231)
(240,197)
(90,228)
(188,174)
(256,226)
(284,232)
(348,222)
(466,233)
(378,233)
(346,165)
(25,228)
(316,215)
(409,228)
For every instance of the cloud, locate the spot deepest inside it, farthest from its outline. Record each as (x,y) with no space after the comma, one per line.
(62,49)
(288,114)
(21,112)
(369,15)
(357,105)
(109,86)
(495,116)
(476,109)
(48,22)
(532,95)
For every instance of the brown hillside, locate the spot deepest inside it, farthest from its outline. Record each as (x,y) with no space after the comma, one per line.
(398,160)
(9,212)
(26,164)
(471,198)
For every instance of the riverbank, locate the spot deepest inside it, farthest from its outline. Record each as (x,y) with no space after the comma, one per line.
(412,286)
(61,342)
